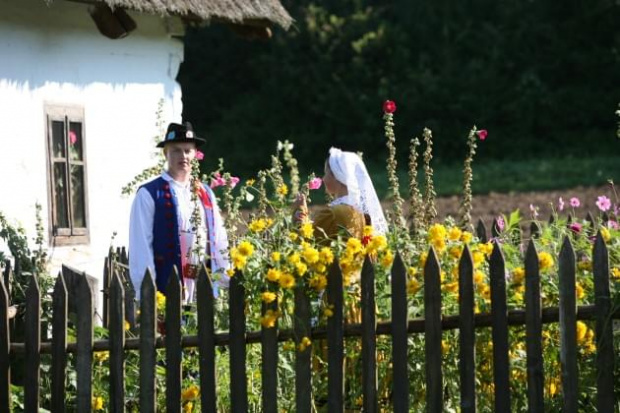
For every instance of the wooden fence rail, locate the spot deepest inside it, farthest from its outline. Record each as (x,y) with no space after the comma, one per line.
(399,328)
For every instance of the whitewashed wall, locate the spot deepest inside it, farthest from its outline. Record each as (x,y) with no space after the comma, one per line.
(54,54)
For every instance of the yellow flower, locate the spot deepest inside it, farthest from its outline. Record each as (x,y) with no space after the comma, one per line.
(423,258)
(605,234)
(246,248)
(615,272)
(250,182)
(367,230)
(486,249)
(239,261)
(454,234)
(437,231)
(97,403)
(413,286)
(582,330)
(545,260)
(268,296)
(412,271)
(287,281)
(289,345)
(318,282)
(188,407)
(387,259)
(311,255)
(326,255)
(306,230)
(294,258)
(466,237)
(584,265)
(293,236)
(301,268)
(518,274)
(276,256)
(478,277)
(304,343)
(456,251)
(282,189)
(273,274)
(579,291)
(478,258)
(190,393)
(101,356)
(354,245)
(230,272)
(439,244)
(445,346)
(269,319)
(161,300)
(328,312)
(127,325)
(257,225)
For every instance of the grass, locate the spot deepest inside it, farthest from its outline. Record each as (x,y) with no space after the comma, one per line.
(514,176)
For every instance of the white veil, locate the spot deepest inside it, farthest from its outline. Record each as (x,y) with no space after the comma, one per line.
(349,169)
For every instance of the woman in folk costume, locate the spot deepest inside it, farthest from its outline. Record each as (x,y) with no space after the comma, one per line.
(355,201)
(175,221)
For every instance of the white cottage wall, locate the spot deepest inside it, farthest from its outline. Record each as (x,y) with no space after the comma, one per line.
(53,54)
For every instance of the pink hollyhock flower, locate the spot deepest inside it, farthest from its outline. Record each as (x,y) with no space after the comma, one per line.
(389,106)
(199,155)
(612,224)
(72,137)
(560,204)
(603,203)
(575,227)
(315,183)
(217,181)
(500,223)
(233,181)
(482,134)
(574,202)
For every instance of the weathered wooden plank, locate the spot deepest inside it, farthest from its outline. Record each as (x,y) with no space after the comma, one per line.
(604,328)
(84,356)
(148,355)
(303,358)
(335,340)
(568,330)
(206,341)
(533,332)
(59,344)
(129,297)
(5,351)
(173,343)
(400,395)
(432,333)
(269,369)
(369,338)
(117,343)
(467,333)
(238,374)
(481,231)
(106,287)
(32,339)
(499,326)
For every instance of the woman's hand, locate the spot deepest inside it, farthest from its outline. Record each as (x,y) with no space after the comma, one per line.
(300,207)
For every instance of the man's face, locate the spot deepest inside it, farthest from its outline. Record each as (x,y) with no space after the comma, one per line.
(179,156)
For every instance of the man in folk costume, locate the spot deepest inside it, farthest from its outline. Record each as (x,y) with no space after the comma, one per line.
(175,221)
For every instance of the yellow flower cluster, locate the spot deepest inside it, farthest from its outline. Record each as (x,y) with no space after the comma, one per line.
(241,253)
(97,403)
(260,224)
(304,344)
(268,320)
(191,393)
(161,300)
(545,261)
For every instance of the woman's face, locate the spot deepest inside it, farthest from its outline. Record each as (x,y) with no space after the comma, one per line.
(332,185)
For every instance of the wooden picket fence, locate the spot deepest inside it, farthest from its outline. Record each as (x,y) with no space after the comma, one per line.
(399,328)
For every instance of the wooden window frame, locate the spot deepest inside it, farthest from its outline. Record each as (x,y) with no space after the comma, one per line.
(71,235)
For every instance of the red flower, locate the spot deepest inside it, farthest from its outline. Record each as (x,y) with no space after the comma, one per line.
(199,155)
(482,134)
(389,106)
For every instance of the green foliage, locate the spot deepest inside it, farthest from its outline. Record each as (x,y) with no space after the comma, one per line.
(537,75)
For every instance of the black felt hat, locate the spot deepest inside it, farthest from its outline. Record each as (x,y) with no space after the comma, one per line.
(180,133)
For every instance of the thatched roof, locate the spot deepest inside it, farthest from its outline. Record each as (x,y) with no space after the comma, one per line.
(251,12)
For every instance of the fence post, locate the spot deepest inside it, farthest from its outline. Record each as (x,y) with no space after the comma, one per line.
(335,340)
(481,231)
(206,341)
(148,322)
(84,357)
(467,333)
(269,353)
(604,327)
(5,351)
(32,340)
(238,378)
(533,332)
(568,333)
(369,338)
(173,343)
(303,359)
(59,344)
(432,333)
(499,326)
(399,336)
(117,345)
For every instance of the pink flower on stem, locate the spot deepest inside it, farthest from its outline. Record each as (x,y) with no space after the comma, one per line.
(315,183)
(482,134)
(199,155)
(217,181)
(574,202)
(500,223)
(233,181)
(534,210)
(603,203)
(560,204)
(611,224)
(575,227)
(389,106)
(72,137)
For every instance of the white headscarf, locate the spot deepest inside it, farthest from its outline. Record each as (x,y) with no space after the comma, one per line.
(349,169)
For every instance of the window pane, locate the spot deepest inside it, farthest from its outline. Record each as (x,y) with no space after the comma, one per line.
(58,139)
(77,196)
(75,141)
(60,195)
